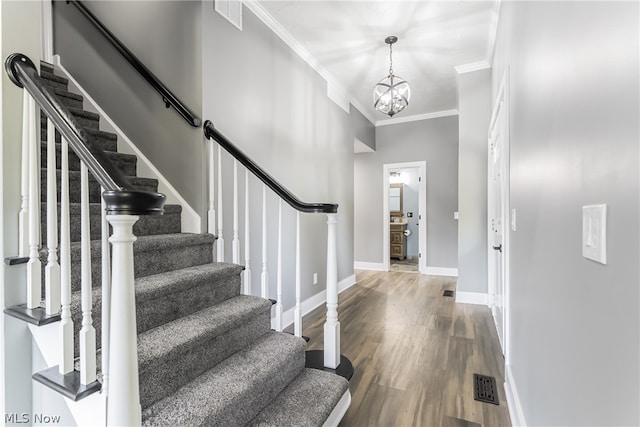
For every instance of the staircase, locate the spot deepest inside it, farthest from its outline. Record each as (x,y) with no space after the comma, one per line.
(206,353)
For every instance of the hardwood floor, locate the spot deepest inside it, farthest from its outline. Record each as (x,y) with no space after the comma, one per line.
(414,352)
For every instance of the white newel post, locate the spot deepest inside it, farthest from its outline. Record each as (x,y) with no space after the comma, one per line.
(279,307)
(247,237)
(297,312)
(52,269)
(332,325)
(220,240)
(34,272)
(123,404)
(66,323)
(23,217)
(211,213)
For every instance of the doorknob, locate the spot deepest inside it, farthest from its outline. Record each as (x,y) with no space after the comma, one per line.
(498,248)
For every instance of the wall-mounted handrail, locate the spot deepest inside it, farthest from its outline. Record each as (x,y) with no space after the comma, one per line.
(119,195)
(168,97)
(211,132)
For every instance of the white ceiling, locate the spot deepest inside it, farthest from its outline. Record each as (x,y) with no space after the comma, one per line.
(346,38)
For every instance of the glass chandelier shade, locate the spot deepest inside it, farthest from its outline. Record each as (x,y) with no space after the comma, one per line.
(391,94)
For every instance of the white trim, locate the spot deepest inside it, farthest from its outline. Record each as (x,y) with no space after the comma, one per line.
(375,266)
(338,411)
(311,303)
(417,117)
(478,298)
(474,66)
(493,31)
(231,10)
(513,400)
(190,220)
(441,271)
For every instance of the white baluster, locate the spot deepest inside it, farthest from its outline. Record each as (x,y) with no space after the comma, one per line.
(297,312)
(211,214)
(278,306)
(123,404)
(264,277)
(235,245)
(106,298)
(332,325)
(87,332)
(247,237)
(52,270)
(34,273)
(66,324)
(23,217)
(220,240)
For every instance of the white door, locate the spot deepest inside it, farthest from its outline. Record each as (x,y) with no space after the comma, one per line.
(497,223)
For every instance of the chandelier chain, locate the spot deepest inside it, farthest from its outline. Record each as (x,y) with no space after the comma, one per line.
(390,59)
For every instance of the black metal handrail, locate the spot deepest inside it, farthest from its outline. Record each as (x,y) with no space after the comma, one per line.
(211,132)
(169,99)
(119,195)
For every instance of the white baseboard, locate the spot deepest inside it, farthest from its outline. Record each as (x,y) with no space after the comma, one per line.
(441,271)
(376,266)
(472,298)
(191,222)
(310,304)
(513,400)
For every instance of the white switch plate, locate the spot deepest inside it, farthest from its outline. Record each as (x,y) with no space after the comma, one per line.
(513,219)
(455,215)
(315,278)
(594,233)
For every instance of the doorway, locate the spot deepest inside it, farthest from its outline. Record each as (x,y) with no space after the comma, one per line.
(404,217)
(499,214)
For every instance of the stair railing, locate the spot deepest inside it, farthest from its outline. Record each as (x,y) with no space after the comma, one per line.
(332,325)
(122,206)
(169,99)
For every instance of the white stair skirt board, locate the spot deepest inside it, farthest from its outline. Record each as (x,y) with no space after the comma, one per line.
(441,271)
(85,411)
(513,401)
(190,220)
(375,266)
(338,412)
(310,304)
(477,298)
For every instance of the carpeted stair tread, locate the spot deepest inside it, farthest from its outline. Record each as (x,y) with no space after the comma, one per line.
(86,119)
(168,223)
(51,77)
(151,254)
(306,402)
(106,140)
(175,353)
(234,391)
(46,66)
(127,163)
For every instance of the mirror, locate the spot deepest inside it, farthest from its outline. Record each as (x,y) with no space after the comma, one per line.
(395,199)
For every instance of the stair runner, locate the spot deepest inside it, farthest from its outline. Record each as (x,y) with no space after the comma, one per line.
(207,355)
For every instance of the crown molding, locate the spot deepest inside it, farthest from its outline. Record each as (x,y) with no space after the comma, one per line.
(335,91)
(474,66)
(416,118)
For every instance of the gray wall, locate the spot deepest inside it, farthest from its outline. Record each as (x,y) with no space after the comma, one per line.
(165,36)
(474,107)
(274,107)
(434,141)
(574,69)
(363,129)
(19,32)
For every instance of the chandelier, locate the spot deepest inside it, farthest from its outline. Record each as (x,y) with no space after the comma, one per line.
(391,94)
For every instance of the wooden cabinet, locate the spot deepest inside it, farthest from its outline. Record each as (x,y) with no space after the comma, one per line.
(398,241)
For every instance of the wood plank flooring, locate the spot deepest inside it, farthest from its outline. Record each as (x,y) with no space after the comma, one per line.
(414,352)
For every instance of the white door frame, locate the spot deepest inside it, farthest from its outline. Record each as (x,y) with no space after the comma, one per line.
(501,102)
(422,212)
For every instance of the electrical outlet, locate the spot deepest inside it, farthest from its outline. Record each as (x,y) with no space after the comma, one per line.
(315,278)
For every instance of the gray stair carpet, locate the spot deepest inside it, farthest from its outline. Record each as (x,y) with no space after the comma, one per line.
(207,355)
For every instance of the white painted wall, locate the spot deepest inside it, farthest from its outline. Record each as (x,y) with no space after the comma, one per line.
(575,326)
(19,32)
(474,106)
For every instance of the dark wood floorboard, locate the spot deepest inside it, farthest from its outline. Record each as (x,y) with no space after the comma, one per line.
(414,352)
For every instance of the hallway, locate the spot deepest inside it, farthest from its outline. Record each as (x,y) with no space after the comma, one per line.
(414,352)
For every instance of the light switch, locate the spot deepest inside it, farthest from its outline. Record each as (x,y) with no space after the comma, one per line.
(513,219)
(455,215)
(594,233)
